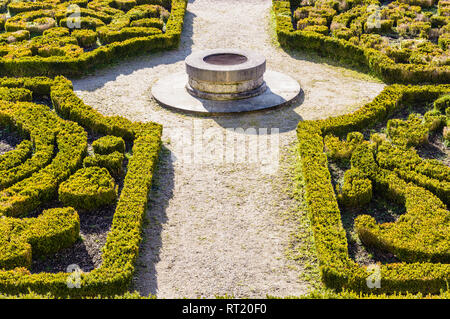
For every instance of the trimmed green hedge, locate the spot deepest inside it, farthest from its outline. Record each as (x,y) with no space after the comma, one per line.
(38,85)
(25,6)
(15,94)
(16,156)
(345,50)
(429,174)
(112,162)
(88,189)
(338,149)
(410,132)
(442,103)
(35,122)
(85,38)
(148,22)
(63,56)
(420,233)
(356,191)
(34,182)
(122,244)
(338,270)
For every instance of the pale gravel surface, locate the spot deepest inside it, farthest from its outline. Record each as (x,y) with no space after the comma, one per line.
(217,229)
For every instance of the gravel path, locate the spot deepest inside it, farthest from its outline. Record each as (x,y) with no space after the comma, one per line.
(218,228)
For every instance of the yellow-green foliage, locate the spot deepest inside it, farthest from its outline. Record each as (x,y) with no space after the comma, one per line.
(378,138)
(108,36)
(442,103)
(36,22)
(123,240)
(116,30)
(434,119)
(86,38)
(16,156)
(108,144)
(15,94)
(358,33)
(430,174)
(57,32)
(16,36)
(88,189)
(422,233)
(26,186)
(16,7)
(126,295)
(149,23)
(33,121)
(112,162)
(411,132)
(356,191)
(48,233)
(348,294)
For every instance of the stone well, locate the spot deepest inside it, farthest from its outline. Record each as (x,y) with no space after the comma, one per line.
(225,81)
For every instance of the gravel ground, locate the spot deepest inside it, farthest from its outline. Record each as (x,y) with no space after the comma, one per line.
(8,140)
(217,228)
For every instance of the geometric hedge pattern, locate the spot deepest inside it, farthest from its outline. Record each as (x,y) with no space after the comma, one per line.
(382,165)
(58,37)
(402,42)
(22,237)
(39,40)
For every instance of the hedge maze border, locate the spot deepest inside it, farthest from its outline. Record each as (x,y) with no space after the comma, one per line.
(88,61)
(338,271)
(121,249)
(345,51)
(123,239)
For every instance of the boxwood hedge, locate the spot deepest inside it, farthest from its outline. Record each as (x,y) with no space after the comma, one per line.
(88,189)
(51,231)
(108,144)
(113,162)
(16,156)
(45,54)
(33,182)
(347,38)
(122,243)
(425,267)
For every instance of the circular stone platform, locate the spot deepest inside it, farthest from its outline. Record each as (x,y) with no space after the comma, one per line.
(171,92)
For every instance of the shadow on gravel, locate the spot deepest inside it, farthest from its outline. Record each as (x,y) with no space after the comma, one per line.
(145,280)
(282,117)
(148,60)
